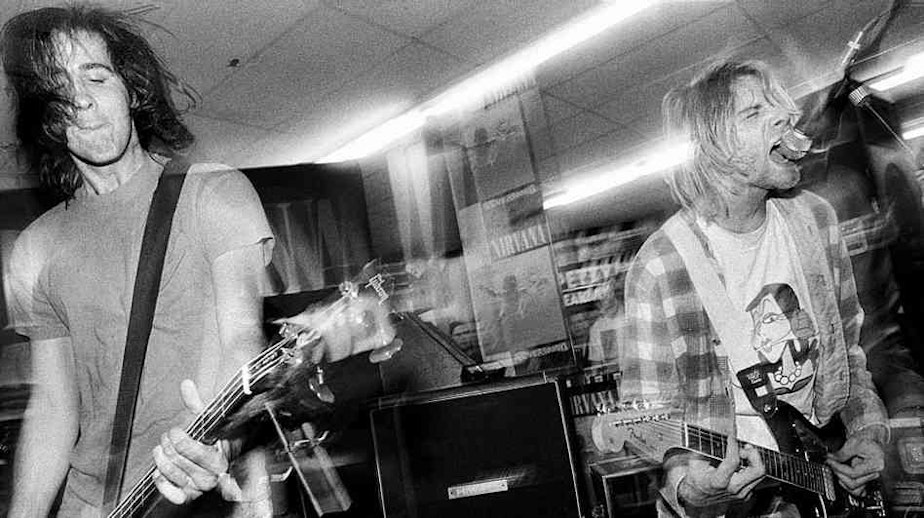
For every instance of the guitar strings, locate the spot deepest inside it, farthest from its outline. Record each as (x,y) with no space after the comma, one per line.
(230,395)
(780,466)
(208,418)
(783,467)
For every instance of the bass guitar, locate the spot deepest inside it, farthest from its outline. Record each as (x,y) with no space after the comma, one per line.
(798,469)
(289,375)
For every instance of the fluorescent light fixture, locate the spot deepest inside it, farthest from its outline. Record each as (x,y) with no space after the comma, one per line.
(512,70)
(499,77)
(655,161)
(914,132)
(379,137)
(911,70)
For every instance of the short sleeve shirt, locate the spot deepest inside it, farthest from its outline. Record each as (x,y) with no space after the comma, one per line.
(73,275)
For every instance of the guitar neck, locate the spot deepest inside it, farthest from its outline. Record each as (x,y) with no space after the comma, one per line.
(783,467)
(204,427)
(289,351)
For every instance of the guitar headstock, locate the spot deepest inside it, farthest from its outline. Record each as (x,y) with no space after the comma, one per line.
(358,321)
(290,373)
(648,429)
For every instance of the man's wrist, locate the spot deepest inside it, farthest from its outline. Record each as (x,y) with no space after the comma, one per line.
(681,501)
(877,433)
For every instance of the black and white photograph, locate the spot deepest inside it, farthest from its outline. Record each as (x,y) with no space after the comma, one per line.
(461,258)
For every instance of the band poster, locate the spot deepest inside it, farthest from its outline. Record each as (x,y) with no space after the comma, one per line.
(512,278)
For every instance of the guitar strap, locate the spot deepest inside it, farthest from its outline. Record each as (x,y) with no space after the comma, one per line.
(144,300)
(731,325)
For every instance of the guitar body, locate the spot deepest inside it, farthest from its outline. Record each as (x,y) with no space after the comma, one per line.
(797,472)
(796,435)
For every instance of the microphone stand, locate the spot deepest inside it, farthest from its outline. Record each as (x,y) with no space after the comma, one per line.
(797,142)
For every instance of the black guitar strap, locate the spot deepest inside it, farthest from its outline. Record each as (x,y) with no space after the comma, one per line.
(757,388)
(144,300)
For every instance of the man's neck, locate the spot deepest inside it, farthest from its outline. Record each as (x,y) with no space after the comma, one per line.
(108,178)
(744,212)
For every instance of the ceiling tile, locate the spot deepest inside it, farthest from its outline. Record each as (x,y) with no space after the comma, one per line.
(401,80)
(490,29)
(631,105)
(306,64)
(414,72)
(624,37)
(778,12)
(408,17)
(599,151)
(723,29)
(220,31)
(576,130)
(557,109)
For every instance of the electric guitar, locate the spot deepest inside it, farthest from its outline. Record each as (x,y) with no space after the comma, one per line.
(799,468)
(288,375)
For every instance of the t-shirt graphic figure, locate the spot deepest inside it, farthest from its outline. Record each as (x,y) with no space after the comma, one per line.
(784,338)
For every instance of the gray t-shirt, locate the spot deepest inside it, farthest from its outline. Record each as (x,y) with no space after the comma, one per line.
(73,273)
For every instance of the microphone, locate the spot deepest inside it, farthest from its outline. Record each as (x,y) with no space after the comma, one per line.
(797,141)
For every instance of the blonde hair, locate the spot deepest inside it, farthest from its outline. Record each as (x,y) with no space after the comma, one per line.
(701,113)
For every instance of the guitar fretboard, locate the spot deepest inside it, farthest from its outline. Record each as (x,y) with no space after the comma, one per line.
(784,467)
(205,425)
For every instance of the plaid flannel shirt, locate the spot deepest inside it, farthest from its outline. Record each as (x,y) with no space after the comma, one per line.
(668,352)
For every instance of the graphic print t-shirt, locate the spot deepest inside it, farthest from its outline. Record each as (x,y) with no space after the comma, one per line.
(764,280)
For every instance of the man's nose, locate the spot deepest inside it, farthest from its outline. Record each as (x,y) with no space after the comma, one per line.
(780,118)
(82,99)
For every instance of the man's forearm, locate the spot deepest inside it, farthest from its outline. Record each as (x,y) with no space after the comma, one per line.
(41,459)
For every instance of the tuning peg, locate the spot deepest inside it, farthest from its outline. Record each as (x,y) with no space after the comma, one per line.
(312,439)
(317,385)
(385,353)
(348,289)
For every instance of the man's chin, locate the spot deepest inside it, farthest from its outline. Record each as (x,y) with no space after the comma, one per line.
(99,159)
(788,175)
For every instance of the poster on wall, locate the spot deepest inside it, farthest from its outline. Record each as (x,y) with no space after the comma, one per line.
(516,305)
(515,297)
(515,293)
(497,148)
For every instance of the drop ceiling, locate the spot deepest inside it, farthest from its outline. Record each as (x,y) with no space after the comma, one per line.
(286,81)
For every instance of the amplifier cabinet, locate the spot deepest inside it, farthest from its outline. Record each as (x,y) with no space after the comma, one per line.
(498,450)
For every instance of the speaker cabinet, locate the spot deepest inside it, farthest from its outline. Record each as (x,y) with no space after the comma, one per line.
(499,450)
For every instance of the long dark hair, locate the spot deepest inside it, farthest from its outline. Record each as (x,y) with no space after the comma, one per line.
(43,105)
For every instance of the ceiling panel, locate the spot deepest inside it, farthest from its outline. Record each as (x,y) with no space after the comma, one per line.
(599,151)
(234,29)
(407,17)
(494,28)
(557,109)
(394,85)
(779,12)
(576,130)
(721,30)
(628,106)
(314,58)
(625,36)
